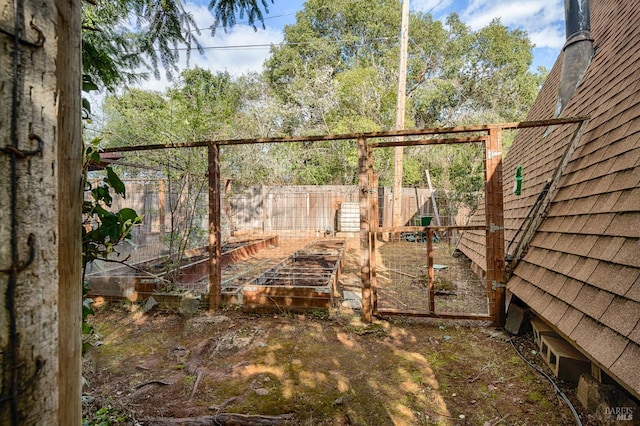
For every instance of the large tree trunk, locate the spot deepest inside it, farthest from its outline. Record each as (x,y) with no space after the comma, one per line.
(39,212)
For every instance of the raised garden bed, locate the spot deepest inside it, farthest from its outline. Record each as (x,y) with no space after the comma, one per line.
(306,280)
(145,278)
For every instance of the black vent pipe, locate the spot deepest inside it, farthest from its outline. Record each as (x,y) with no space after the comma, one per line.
(577,19)
(578,49)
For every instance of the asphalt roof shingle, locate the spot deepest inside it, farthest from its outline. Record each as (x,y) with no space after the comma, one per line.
(569,320)
(555,310)
(621,315)
(626,366)
(582,269)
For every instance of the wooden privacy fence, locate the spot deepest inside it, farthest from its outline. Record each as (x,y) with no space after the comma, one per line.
(315,208)
(323,208)
(287,208)
(490,136)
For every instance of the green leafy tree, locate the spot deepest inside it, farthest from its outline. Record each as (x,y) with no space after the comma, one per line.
(454,76)
(120,37)
(103,229)
(337,73)
(200,105)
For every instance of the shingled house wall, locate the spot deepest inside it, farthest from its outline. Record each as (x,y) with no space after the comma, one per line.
(581,272)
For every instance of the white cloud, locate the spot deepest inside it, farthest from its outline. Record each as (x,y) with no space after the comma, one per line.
(238,50)
(549,37)
(542,19)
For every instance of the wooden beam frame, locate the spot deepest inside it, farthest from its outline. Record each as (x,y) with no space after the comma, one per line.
(440,315)
(364,174)
(70,155)
(354,136)
(494,208)
(432,278)
(490,134)
(398,229)
(215,238)
(434,141)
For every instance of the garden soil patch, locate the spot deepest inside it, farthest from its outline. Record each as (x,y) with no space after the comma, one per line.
(317,368)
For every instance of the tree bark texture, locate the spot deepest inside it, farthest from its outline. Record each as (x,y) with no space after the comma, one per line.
(32,110)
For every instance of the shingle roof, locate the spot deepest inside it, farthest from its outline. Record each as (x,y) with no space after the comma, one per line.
(582,268)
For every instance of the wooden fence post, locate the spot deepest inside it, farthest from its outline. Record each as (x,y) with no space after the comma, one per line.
(495,226)
(215,249)
(70,154)
(432,278)
(375,223)
(162,206)
(365,265)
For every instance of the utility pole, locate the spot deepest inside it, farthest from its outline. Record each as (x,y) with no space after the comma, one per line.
(400,110)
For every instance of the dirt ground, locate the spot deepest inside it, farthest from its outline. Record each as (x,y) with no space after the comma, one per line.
(316,368)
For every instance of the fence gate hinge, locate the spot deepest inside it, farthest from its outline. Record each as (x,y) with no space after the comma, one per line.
(496,285)
(494,228)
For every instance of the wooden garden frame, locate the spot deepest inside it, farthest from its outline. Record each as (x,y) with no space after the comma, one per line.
(489,135)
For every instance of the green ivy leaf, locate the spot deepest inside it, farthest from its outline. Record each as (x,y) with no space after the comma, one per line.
(94,156)
(86,105)
(101,211)
(101,193)
(111,227)
(114,181)
(128,214)
(86,328)
(87,83)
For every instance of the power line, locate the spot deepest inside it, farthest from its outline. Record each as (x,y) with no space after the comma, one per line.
(233,47)
(210,27)
(263,46)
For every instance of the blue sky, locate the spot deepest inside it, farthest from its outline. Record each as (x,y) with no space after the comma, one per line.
(242,49)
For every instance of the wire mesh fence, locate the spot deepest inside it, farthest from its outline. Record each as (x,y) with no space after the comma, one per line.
(263,228)
(404,282)
(416,267)
(267,227)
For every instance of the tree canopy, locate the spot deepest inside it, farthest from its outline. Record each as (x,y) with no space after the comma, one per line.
(454,74)
(336,72)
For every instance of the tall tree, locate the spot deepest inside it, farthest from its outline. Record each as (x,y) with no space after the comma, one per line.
(337,73)
(199,106)
(455,76)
